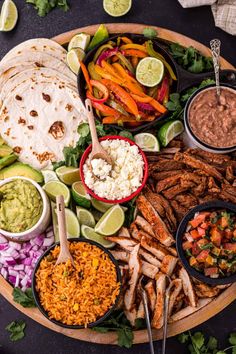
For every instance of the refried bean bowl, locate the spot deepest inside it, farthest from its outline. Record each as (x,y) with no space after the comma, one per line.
(211,125)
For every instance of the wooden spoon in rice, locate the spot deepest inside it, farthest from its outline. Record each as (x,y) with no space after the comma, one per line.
(64,254)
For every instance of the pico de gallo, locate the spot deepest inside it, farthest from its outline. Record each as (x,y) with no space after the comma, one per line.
(209,243)
(115,93)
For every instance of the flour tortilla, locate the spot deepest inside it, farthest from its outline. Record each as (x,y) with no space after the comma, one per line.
(43,74)
(33,61)
(37,45)
(32,136)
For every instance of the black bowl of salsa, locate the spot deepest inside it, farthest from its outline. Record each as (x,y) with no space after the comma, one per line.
(206,242)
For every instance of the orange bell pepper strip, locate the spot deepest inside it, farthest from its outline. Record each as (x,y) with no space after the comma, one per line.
(105,75)
(106,110)
(110,69)
(123,96)
(134,61)
(134,46)
(86,75)
(147,99)
(135,53)
(126,40)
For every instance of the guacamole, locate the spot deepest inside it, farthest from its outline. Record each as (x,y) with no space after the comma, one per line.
(21,206)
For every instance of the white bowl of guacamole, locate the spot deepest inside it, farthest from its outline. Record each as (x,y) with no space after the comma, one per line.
(24,208)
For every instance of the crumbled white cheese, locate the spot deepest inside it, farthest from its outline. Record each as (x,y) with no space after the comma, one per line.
(100,168)
(126,174)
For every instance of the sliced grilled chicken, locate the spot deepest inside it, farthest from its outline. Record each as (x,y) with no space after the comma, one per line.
(143,224)
(134,269)
(189,310)
(149,257)
(176,286)
(140,311)
(153,247)
(149,270)
(124,242)
(168,264)
(188,287)
(131,316)
(157,320)
(151,294)
(121,255)
(124,232)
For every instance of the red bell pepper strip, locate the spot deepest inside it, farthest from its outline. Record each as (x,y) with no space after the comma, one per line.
(163,90)
(102,88)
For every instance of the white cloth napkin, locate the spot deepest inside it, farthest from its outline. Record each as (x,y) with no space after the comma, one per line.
(224,12)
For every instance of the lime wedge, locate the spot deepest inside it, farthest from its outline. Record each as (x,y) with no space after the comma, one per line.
(80,40)
(55,188)
(150,71)
(90,234)
(49,175)
(85,217)
(68,175)
(73,57)
(111,221)
(101,206)
(117,8)
(72,223)
(147,142)
(80,196)
(8,16)
(99,36)
(169,131)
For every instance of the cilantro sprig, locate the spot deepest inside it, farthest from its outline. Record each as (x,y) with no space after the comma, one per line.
(16,329)
(25,299)
(43,7)
(199,344)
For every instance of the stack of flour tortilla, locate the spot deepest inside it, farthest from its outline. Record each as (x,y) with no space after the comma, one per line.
(40,109)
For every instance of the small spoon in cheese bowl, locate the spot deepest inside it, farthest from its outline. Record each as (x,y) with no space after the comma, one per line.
(97,150)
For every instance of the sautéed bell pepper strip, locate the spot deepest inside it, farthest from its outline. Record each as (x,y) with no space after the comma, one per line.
(146,99)
(123,96)
(134,46)
(105,75)
(153,53)
(101,88)
(106,54)
(134,61)
(86,75)
(101,49)
(92,72)
(106,110)
(163,90)
(135,53)
(125,62)
(125,119)
(126,40)
(110,69)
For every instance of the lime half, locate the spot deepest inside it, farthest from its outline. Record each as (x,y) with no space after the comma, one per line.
(49,175)
(55,188)
(169,131)
(68,175)
(8,16)
(111,221)
(147,142)
(72,223)
(74,56)
(80,40)
(100,35)
(117,8)
(90,234)
(85,217)
(80,195)
(150,71)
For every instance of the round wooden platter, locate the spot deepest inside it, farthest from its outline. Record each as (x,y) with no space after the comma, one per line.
(200,316)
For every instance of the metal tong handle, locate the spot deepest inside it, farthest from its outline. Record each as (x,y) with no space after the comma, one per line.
(215,50)
(145,303)
(166,313)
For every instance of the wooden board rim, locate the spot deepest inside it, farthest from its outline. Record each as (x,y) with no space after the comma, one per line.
(202,315)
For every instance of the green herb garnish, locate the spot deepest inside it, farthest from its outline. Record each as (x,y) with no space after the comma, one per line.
(150,32)
(43,7)
(16,330)
(25,299)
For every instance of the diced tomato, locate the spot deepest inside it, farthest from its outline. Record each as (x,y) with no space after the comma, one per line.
(230,247)
(192,261)
(234,233)
(210,260)
(203,256)
(223,264)
(223,222)
(204,225)
(195,249)
(187,245)
(198,220)
(195,235)
(216,251)
(228,234)
(202,242)
(201,231)
(216,236)
(211,271)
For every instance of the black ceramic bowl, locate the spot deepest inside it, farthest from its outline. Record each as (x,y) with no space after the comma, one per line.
(214,205)
(36,295)
(138,39)
(193,138)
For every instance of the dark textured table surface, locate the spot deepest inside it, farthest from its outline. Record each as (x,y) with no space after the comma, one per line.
(197,23)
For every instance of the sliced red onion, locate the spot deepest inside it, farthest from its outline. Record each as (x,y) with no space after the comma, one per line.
(2,239)
(12,279)
(145,107)
(48,241)
(4,273)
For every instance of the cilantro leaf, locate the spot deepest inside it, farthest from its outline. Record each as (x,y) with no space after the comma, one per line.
(43,7)
(126,134)
(234,350)
(16,330)
(212,343)
(183,338)
(220,352)
(25,299)
(232,338)
(198,339)
(149,32)
(125,337)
